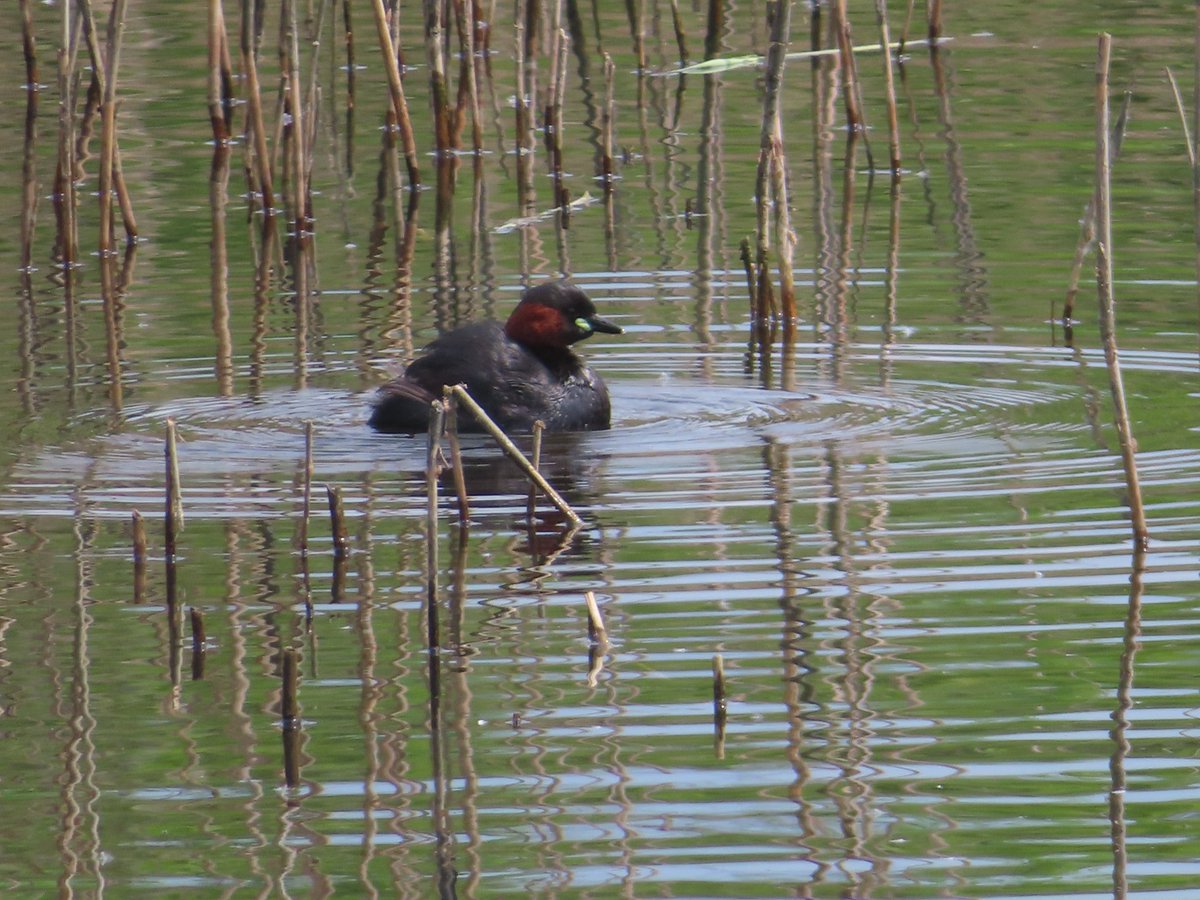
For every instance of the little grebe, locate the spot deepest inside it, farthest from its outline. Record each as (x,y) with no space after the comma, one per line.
(519,372)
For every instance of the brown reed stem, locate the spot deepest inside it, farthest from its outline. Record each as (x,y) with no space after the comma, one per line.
(139,538)
(889,86)
(433,468)
(216,77)
(535,454)
(173,518)
(1104,287)
(296,133)
(510,449)
(391,64)
(633,12)
(108,142)
(607,127)
(256,132)
(714,28)
(456,462)
(935,21)
(680,33)
(29,45)
(1087,235)
(439,92)
(337,522)
(468,84)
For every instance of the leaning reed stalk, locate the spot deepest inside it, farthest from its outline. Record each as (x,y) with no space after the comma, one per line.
(108,141)
(1104,287)
(391,65)
(680,33)
(889,86)
(511,450)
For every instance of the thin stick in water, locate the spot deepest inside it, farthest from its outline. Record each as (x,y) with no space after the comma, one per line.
(1104,289)
(460,478)
(173,520)
(536,460)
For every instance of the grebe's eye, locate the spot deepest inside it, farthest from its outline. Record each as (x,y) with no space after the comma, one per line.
(583,324)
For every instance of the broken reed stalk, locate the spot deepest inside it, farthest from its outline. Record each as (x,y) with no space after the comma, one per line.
(460,478)
(433,468)
(720,710)
(1104,287)
(139,539)
(173,519)
(403,124)
(337,522)
(510,449)
(889,87)
(597,633)
(536,460)
(306,478)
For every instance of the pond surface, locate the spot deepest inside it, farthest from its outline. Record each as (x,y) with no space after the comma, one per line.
(905,533)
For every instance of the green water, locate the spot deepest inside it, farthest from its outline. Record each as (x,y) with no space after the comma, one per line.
(906,535)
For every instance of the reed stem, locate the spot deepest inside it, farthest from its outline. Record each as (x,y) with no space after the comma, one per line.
(1104,287)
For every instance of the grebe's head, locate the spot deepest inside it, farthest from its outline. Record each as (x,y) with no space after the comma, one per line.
(556,314)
